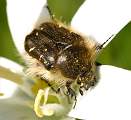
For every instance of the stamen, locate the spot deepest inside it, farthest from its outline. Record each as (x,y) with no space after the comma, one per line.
(40,112)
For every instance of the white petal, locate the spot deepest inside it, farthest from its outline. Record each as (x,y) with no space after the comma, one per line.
(8,87)
(19,107)
(14,74)
(10,70)
(109,100)
(17,111)
(102,18)
(23,16)
(12,111)
(14,67)
(16,108)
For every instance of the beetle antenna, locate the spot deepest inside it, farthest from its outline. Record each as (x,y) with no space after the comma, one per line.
(99,47)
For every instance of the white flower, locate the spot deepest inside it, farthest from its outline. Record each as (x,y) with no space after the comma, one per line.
(102,18)
(109,100)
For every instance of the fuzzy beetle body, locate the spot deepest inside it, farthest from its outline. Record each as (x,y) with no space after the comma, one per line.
(62,57)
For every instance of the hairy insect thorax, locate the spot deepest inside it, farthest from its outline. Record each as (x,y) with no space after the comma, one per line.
(61,56)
